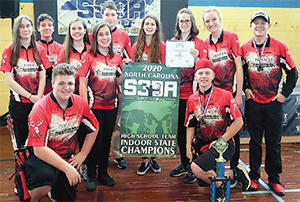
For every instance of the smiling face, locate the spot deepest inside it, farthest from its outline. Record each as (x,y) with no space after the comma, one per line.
(110,16)
(212,21)
(185,23)
(204,77)
(149,27)
(63,87)
(77,31)
(104,38)
(46,29)
(259,27)
(25,29)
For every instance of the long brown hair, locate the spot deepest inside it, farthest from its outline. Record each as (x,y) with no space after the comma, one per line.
(94,47)
(194,29)
(154,47)
(68,43)
(16,42)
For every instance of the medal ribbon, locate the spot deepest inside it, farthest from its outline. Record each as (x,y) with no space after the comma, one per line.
(262,52)
(205,108)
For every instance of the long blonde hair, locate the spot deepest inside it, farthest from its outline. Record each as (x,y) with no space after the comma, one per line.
(16,42)
(69,40)
(154,47)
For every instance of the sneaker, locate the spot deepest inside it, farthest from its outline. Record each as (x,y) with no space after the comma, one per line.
(233,183)
(180,170)
(243,177)
(253,186)
(277,188)
(189,178)
(143,168)
(105,179)
(121,163)
(90,184)
(16,191)
(83,171)
(220,193)
(154,166)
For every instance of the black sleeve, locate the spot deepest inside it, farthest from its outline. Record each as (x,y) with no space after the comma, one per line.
(291,80)
(49,73)
(246,75)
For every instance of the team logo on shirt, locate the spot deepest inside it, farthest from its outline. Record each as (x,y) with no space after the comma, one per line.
(3,59)
(36,126)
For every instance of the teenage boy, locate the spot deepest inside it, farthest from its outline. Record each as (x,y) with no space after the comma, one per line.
(53,123)
(45,25)
(264,57)
(212,113)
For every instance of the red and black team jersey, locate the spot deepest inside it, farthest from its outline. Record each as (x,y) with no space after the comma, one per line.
(221,109)
(26,73)
(51,126)
(267,82)
(146,50)
(121,42)
(75,58)
(102,73)
(53,49)
(222,55)
(187,73)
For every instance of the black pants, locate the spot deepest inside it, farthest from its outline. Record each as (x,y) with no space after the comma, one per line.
(181,132)
(265,119)
(19,113)
(100,151)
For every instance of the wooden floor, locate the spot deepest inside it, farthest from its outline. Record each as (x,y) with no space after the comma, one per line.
(161,187)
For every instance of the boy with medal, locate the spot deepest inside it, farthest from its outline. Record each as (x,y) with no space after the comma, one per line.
(264,57)
(214,114)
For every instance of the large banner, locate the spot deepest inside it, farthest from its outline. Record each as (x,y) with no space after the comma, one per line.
(149,110)
(130,13)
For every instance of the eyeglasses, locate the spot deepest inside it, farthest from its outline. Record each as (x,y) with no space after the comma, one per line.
(184,21)
(24,26)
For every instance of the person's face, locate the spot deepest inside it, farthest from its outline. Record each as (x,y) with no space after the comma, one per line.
(110,16)
(212,21)
(25,29)
(149,27)
(103,37)
(46,28)
(63,87)
(259,27)
(185,23)
(77,31)
(204,77)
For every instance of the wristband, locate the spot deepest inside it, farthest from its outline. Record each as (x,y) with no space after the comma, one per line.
(29,96)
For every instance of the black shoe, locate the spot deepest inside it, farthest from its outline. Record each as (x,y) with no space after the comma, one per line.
(105,179)
(180,170)
(154,166)
(189,178)
(220,193)
(121,163)
(242,176)
(91,184)
(143,168)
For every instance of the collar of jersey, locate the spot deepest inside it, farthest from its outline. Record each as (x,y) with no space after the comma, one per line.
(70,104)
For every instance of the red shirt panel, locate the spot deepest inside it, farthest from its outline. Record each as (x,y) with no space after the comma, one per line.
(267,84)
(222,55)
(51,126)
(216,118)
(26,73)
(102,73)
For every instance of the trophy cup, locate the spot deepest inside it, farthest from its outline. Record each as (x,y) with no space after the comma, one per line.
(221,145)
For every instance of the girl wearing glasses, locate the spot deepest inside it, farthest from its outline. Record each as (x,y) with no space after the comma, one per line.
(186,30)
(224,51)
(24,63)
(149,48)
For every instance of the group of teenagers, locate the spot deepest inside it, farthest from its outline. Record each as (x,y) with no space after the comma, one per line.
(66,94)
